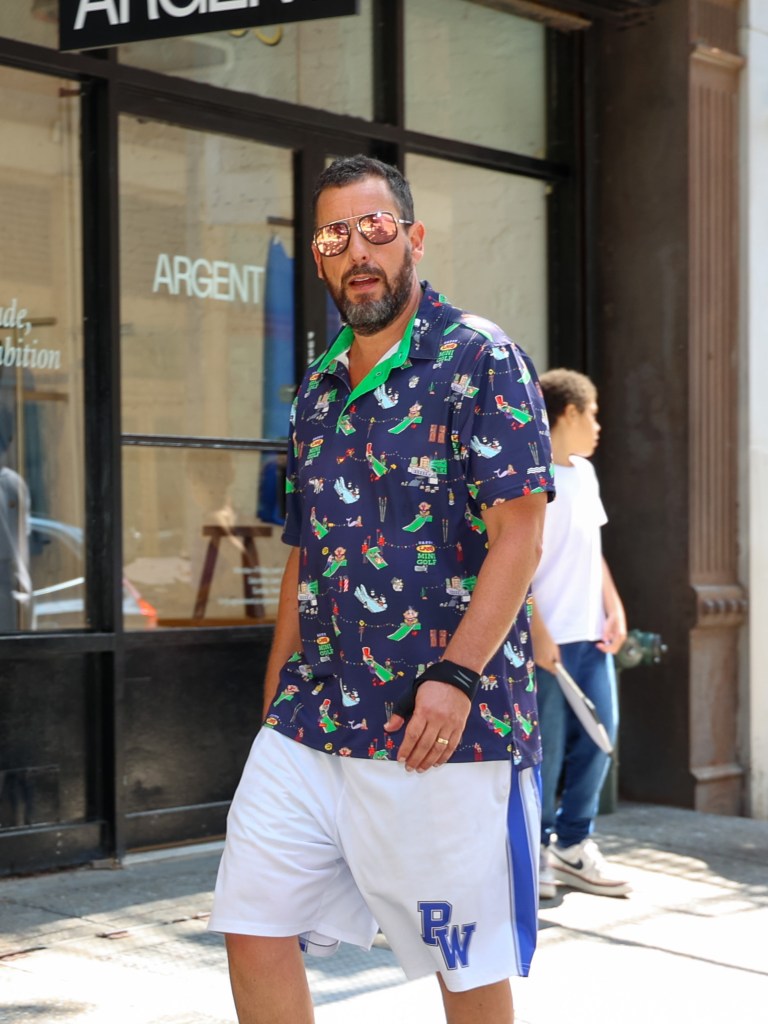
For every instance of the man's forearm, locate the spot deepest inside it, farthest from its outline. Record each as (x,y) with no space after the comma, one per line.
(502,586)
(502,583)
(612,602)
(287,638)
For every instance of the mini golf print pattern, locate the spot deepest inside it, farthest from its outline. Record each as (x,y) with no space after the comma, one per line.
(385,493)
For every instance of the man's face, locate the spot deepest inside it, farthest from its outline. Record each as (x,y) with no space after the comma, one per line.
(370,284)
(584,430)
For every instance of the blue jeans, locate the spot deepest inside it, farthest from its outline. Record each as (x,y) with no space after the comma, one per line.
(572,763)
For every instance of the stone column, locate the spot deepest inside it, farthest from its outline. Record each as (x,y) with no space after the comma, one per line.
(666,364)
(753,405)
(720,600)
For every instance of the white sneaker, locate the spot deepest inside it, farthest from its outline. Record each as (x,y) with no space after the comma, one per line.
(582,866)
(547,884)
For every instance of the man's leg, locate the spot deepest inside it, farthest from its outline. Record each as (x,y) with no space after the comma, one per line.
(586,766)
(552,724)
(490,1004)
(268,980)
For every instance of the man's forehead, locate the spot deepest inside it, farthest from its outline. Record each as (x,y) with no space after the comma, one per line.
(363,196)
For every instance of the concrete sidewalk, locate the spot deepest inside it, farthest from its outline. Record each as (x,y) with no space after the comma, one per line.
(689,945)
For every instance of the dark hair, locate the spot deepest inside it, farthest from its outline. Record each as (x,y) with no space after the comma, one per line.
(562,387)
(347,169)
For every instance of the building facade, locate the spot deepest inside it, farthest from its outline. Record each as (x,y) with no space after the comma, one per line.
(577,170)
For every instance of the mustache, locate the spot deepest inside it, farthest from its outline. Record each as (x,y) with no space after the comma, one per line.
(366,269)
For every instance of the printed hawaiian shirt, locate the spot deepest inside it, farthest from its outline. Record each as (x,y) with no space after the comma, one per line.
(386,486)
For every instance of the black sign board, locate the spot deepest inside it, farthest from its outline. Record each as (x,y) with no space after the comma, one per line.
(86,24)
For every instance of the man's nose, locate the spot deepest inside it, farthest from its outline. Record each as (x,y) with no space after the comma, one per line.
(359,249)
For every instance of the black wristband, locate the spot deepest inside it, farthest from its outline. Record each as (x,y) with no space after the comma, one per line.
(449,672)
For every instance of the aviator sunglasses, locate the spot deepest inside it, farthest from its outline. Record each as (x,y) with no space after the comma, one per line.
(378,228)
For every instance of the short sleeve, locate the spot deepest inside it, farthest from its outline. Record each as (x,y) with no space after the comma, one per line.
(506,434)
(593,487)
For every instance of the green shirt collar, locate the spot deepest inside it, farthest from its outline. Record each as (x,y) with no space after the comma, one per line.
(381,370)
(341,344)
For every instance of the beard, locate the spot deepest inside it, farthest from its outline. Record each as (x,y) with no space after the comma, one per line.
(369,316)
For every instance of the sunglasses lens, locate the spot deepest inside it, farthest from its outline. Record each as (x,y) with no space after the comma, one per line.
(332,239)
(378,228)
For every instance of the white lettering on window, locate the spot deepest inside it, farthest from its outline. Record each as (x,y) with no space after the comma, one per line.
(222,281)
(163,274)
(28,355)
(201,286)
(256,274)
(203,279)
(239,283)
(13,317)
(182,269)
(15,349)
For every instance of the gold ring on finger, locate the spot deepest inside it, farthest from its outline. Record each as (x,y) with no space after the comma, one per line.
(443,741)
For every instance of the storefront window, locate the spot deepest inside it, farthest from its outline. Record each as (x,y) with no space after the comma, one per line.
(475,74)
(324,63)
(41,353)
(206,274)
(207,352)
(205,549)
(486,247)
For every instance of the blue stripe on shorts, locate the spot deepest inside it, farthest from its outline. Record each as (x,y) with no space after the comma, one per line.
(524,830)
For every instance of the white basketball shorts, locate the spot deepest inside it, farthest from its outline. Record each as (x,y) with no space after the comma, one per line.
(340,846)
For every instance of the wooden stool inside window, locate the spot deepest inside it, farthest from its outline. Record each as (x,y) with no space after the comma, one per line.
(249,558)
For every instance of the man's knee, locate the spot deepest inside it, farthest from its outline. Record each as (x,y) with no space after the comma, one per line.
(483,1005)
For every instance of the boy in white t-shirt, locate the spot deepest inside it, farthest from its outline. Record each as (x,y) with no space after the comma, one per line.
(578,621)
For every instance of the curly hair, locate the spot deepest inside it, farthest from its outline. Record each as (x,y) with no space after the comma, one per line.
(562,387)
(348,169)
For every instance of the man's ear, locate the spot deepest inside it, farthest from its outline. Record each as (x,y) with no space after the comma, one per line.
(571,411)
(318,262)
(416,233)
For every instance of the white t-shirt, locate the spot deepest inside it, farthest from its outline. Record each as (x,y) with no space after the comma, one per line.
(568,585)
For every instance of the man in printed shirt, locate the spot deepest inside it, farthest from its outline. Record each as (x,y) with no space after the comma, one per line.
(418,475)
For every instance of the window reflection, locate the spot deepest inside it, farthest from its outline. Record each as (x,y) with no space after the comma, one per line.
(41,352)
(207,353)
(325,64)
(487,254)
(499,100)
(207,283)
(31,21)
(202,534)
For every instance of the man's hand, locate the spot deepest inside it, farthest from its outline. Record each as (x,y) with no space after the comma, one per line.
(546,652)
(614,633)
(441,712)
(615,628)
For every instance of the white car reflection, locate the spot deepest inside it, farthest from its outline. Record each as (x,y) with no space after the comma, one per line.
(58,596)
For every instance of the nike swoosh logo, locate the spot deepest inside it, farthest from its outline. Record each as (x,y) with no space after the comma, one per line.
(576,865)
